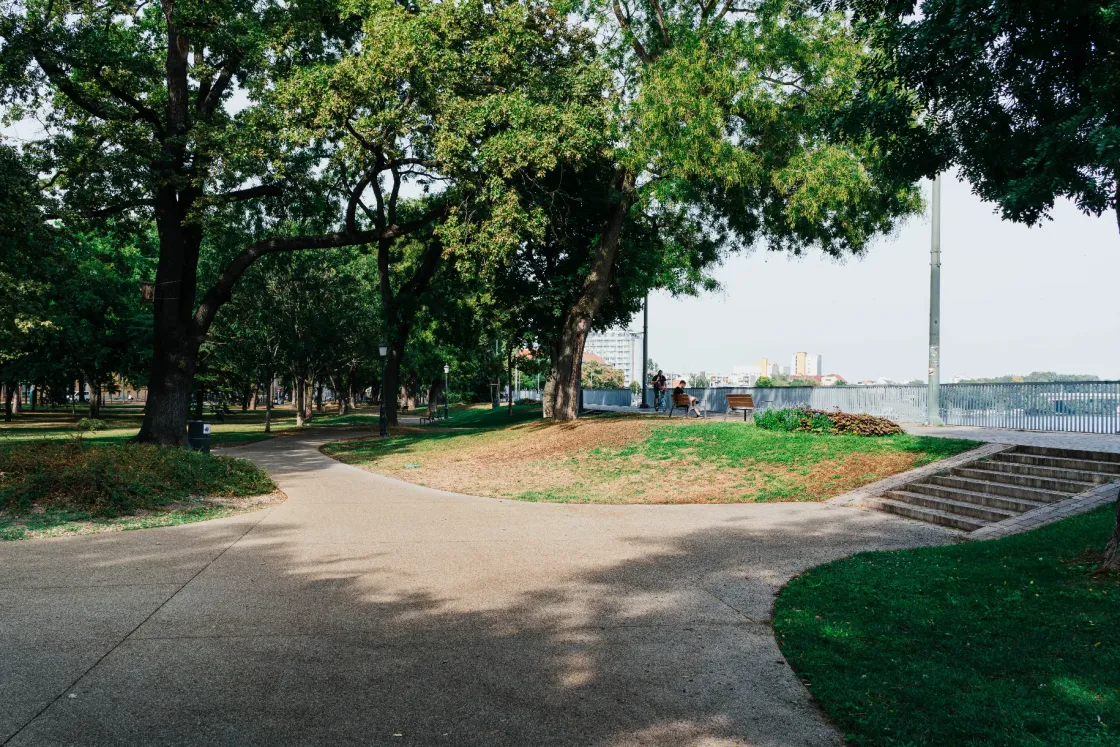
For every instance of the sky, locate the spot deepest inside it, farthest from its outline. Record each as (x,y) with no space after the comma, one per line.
(1013,300)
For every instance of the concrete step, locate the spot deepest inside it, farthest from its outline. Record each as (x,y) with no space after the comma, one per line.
(983,513)
(998,488)
(1095,466)
(929,515)
(955,493)
(1057,473)
(1046,451)
(1070,487)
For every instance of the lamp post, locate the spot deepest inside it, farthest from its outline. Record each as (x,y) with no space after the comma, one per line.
(446,389)
(382,423)
(933,396)
(645,352)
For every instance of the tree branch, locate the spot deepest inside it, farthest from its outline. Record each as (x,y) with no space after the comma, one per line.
(661,21)
(222,290)
(209,102)
(251,193)
(143,112)
(624,22)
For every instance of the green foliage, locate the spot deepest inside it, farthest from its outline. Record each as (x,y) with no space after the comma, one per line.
(699,380)
(818,421)
(117,479)
(1003,643)
(635,387)
(595,375)
(764,382)
(1024,96)
(92,424)
(804,382)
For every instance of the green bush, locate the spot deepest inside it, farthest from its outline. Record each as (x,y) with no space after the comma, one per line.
(92,424)
(818,421)
(115,479)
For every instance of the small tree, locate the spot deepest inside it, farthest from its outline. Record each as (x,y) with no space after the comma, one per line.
(698,380)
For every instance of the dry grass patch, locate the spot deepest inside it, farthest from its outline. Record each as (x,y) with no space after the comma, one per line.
(640,459)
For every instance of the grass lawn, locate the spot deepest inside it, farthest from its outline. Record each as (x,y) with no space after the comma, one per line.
(73,486)
(634,459)
(124,421)
(1008,642)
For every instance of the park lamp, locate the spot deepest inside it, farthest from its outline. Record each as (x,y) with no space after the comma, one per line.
(446,369)
(384,350)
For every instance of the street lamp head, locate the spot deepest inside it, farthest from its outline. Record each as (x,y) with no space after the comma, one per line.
(384,350)
(446,368)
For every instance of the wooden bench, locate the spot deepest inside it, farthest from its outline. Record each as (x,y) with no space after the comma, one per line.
(433,414)
(684,401)
(744,402)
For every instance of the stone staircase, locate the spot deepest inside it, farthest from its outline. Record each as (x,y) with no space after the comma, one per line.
(1000,487)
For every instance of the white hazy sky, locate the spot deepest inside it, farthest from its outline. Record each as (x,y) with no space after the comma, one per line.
(1013,300)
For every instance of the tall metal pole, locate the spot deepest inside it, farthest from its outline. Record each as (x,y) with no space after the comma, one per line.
(382,421)
(933,398)
(645,352)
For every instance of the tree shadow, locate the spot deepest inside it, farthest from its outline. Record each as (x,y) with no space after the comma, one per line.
(474,621)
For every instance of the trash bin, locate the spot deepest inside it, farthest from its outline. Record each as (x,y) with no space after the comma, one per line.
(198,436)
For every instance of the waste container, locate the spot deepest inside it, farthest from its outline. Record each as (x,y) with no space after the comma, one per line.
(198,436)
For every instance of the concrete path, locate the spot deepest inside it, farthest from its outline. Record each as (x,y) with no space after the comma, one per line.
(368,611)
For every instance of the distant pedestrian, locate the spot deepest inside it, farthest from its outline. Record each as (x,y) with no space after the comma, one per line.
(659,384)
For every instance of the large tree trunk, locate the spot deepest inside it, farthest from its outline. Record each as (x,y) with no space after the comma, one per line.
(94,399)
(169,389)
(568,359)
(9,391)
(391,386)
(16,401)
(299,394)
(268,404)
(434,391)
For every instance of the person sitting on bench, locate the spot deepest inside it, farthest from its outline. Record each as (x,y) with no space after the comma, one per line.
(678,391)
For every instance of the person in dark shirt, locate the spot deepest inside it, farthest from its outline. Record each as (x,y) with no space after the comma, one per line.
(692,401)
(659,383)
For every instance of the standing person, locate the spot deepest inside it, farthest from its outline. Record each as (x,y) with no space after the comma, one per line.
(659,383)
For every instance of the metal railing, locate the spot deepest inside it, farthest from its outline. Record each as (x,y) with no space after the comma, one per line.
(1083,406)
(610,397)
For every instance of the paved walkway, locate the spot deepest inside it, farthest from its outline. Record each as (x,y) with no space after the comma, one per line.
(368,611)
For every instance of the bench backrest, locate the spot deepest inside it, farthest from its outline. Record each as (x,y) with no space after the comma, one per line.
(681,400)
(740,400)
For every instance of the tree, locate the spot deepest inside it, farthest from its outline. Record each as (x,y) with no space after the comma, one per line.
(739,120)
(598,376)
(1027,93)
(698,380)
(803,382)
(764,382)
(140,120)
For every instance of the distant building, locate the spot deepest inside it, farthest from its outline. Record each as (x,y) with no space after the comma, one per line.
(745,375)
(831,379)
(618,348)
(805,364)
(768,367)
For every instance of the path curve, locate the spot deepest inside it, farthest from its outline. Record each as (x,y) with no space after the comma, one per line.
(365,610)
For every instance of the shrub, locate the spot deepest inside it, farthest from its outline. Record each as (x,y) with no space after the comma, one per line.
(114,479)
(818,421)
(92,424)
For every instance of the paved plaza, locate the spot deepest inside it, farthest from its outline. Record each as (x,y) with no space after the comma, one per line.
(364,610)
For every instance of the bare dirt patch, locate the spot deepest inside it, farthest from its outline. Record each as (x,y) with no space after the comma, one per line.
(604,460)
